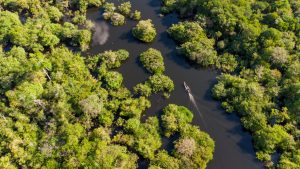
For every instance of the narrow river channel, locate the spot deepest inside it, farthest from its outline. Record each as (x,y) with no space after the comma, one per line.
(234,149)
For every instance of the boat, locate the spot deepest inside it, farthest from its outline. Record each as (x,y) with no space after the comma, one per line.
(187,88)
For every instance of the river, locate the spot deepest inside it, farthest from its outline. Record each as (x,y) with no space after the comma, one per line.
(234,148)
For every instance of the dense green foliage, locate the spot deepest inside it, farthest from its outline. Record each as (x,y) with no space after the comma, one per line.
(174,118)
(38,34)
(111,59)
(157,83)
(117,15)
(259,41)
(153,61)
(59,109)
(117,19)
(110,13)
(136,15)
(193,148)
(227,62)
(144,31)
(194,43)
(40,28)
(125,8)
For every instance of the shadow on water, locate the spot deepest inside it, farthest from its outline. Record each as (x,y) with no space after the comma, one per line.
(128,36)
(233,149)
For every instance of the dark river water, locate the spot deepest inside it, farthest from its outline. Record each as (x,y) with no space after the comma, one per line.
(233,149)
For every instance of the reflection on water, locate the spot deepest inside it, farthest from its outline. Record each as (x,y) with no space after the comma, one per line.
(101,33)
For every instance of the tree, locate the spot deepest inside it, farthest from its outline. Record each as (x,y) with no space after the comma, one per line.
(186,31)
(13,65)
(289,160)
(54,13)
(113,80)
(194,44)
(116,156)
(125,8)
(194,148)
(279,56)
(8,20)
(254,121)
(269,139)
(292,100)
(174,117)
(134,107)
(164,161)
(132,125)
(117,19)
(142,89)
(200,52)
(160,83)
(186,147)
(271,37)
(226,62)
(240,95)
(153,61)
(136,15)
(27,94)
(144,31)
(111,59)
(91,106)
(145,139)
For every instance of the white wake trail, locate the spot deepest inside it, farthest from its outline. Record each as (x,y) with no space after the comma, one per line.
(193,100)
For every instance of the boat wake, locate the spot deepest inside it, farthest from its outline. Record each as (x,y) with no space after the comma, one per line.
(193,101)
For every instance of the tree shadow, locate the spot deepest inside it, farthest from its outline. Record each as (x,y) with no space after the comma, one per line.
(155,4)
(129,37)
(245,143)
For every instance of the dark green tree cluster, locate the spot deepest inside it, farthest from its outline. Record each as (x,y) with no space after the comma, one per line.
(117,15)
(193,149)
(161,83)
(153,62)
(108,59)
(194,43)
(144,31)
(157,83)
(39,27)
(142,137)
(56,115)
(258,40)
(38,34)
(192,143)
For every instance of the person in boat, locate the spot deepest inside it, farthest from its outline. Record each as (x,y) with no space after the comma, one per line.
(187,88)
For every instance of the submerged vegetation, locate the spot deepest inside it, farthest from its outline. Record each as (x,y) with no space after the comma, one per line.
(259,42)
(59,109)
